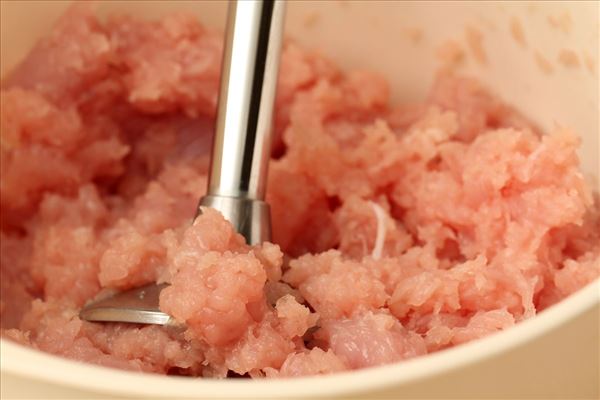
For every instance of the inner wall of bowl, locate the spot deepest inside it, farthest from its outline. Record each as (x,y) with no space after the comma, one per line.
(548,70)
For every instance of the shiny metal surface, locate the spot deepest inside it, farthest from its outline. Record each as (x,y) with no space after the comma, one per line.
(241,146)
(251,218)
(136,306)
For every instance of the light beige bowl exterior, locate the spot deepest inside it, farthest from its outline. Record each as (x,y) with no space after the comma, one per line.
(553,355)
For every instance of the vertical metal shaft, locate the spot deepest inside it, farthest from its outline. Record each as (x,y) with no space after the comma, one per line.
(241,148)
(242,142)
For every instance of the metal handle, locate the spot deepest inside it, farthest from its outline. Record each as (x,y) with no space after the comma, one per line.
(242,141)
(241,147)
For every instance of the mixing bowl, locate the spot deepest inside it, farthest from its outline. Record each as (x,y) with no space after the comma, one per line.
(539,56)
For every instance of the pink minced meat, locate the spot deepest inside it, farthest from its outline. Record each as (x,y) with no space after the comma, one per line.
(398,230)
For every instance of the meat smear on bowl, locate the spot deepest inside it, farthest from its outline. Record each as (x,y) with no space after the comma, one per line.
(399,230)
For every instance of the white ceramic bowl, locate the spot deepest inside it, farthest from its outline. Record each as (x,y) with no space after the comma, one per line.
(398,39)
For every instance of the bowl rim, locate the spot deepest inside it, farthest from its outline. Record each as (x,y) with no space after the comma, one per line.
(25,362)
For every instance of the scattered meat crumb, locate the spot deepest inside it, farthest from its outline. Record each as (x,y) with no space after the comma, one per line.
(589,63)
(450,54)
(561,22)
(516,30)
(568,58)
(475,42)
(543,63)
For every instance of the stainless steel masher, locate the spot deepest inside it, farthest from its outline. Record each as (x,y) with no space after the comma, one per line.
(241,146)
